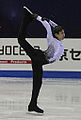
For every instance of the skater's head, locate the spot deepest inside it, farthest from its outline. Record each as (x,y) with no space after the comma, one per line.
(58,32)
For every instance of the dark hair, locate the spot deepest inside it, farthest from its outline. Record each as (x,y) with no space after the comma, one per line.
(56,29)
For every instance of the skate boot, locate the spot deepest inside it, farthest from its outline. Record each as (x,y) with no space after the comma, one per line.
(34,108)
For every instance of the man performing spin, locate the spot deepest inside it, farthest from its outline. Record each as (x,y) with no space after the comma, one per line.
(55,34)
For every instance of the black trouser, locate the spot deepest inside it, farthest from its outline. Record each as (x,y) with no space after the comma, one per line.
(37,57)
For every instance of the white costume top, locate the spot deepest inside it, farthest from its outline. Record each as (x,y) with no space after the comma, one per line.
(55,47)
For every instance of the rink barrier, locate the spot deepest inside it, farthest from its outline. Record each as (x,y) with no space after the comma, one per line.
(46,74)
(14,62)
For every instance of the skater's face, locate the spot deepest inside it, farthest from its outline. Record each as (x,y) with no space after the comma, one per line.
(60,35)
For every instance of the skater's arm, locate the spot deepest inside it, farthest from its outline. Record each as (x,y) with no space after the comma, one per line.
(46,25)
(52,23)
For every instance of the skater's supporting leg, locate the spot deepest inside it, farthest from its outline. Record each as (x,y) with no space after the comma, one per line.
(37,82)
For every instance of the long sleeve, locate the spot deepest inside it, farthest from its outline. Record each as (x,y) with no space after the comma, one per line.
(53,24)
(45,24)
(48,28)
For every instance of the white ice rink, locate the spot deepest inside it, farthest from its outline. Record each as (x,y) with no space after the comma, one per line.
(60,99)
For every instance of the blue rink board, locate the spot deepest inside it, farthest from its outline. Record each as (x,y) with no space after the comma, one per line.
(46,74)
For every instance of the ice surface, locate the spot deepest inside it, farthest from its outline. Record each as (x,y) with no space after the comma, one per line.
(60,99)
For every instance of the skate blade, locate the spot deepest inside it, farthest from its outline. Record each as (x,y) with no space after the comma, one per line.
(27,10)
(35,113)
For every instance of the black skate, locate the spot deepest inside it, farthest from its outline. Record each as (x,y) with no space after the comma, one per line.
(29,13)
(35,109)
